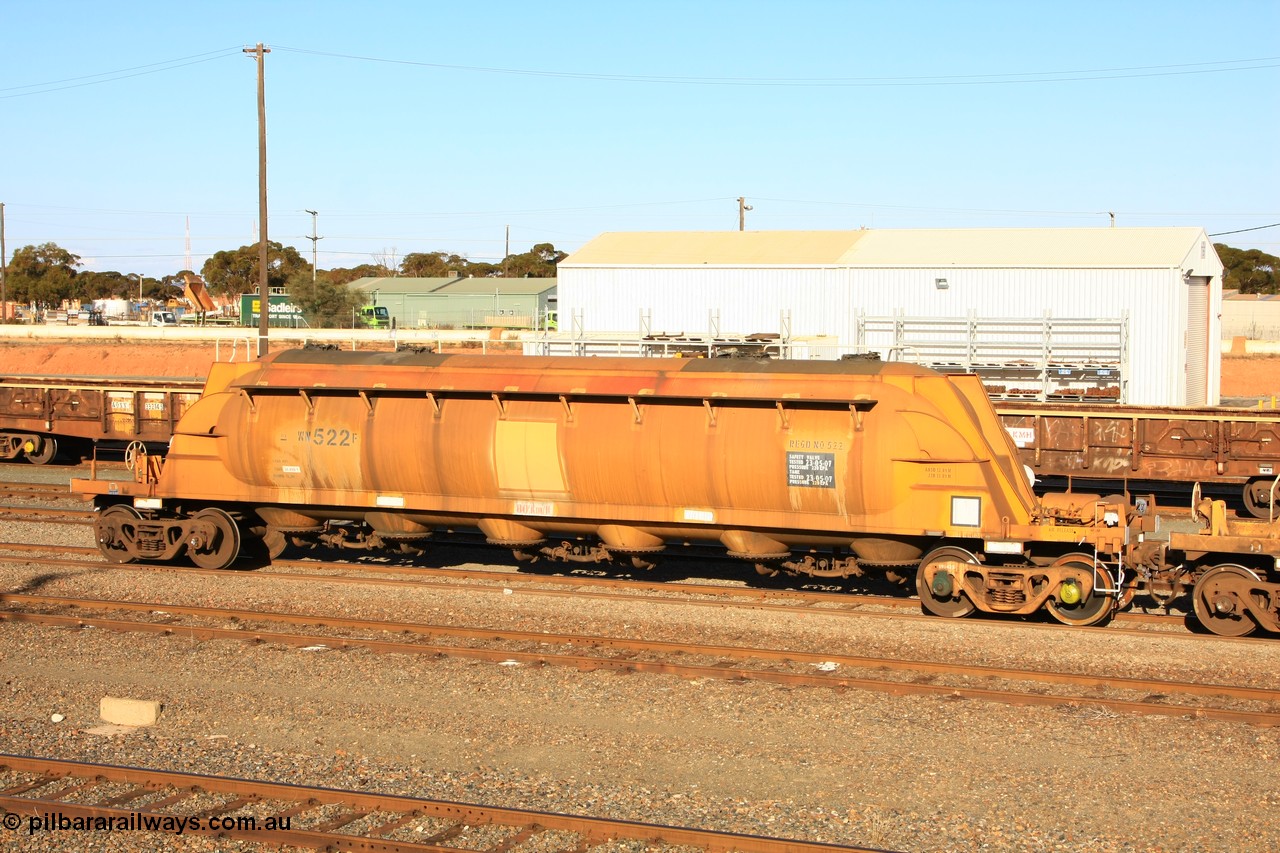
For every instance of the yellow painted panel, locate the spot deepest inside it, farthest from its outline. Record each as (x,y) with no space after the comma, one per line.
(527,455)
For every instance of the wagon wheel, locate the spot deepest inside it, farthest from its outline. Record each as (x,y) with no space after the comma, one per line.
(48,450)
(1092,609)
(1254,504)
(117,528)
(135,456)
(214,540)
(1216,609)
(941,598)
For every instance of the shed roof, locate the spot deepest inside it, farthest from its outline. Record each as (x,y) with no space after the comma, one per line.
(1058,248)
(686,248)
(512,286)
(397,284)
(1236,296)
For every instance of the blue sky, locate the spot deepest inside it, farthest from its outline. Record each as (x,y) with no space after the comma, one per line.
(422,126)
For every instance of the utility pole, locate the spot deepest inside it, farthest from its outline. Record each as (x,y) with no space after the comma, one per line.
(4,262)
(264,294)
(314,240)
(743,207)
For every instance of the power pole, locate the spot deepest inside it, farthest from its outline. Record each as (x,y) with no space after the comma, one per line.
(4,262)
(743,207)
(314,240)
(264,294)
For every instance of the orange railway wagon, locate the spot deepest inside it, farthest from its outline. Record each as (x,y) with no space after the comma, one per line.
(819,468)
(43,416)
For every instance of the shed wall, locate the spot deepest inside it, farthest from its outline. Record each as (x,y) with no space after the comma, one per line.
(1251,318)
(827,301)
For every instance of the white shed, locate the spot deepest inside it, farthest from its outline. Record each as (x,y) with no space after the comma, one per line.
(1130,314)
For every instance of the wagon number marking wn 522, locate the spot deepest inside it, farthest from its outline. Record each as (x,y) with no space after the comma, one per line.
(323,437)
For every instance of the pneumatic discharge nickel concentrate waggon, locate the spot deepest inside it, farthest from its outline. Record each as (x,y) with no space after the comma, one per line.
(830,469)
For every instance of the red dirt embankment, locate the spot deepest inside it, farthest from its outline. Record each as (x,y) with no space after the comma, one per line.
(1250,375)
(1242,376)
(108,359)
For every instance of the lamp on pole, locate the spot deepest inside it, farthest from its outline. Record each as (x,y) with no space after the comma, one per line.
(314,240)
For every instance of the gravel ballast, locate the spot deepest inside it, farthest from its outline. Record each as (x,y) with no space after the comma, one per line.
(852,767)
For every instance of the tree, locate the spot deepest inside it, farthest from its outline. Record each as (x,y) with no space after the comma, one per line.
(345,276)
(538,262)
(1248,270)
(325,302)
(387,260)
(433,265)
(104,285)
(43,274)
(234,272)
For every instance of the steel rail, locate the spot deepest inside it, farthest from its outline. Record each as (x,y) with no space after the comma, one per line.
(393,812)
(59,515)
(847,604)
(525,577)
(28,494)
(585,662)
(59,489)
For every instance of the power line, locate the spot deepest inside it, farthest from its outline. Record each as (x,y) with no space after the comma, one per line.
(113,76)
(938,80)
(398,214)
(1243,230)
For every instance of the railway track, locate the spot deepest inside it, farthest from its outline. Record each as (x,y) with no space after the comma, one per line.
(574,586)
(36,491)
(686,659)
(50,797)
(412,573)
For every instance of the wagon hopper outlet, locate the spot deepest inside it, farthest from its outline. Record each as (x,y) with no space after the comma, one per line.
(820,468)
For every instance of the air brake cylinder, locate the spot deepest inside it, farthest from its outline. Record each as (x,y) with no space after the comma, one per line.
(1086,509)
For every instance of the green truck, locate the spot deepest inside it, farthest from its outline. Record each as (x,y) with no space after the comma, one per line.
(375,317)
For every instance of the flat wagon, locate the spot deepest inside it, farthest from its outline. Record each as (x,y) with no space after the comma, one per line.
(1238,447)
(43,417)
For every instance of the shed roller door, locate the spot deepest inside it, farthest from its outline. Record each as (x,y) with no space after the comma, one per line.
(1197,341)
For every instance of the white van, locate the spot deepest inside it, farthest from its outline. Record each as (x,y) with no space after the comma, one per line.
(163,318)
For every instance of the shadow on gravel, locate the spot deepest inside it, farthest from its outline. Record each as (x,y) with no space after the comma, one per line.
(36,583)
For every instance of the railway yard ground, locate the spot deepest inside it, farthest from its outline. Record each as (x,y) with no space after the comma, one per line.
(841,765)
(845,766)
